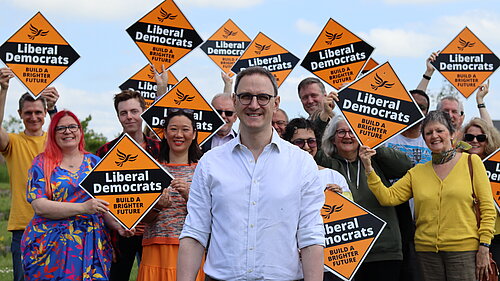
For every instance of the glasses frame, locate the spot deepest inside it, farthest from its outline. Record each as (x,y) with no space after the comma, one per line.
(479,138)
(343,133)
(73,128)
(311,142)
(228,113)
(260,102)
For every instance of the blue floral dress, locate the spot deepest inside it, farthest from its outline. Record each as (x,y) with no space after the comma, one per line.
(74,248)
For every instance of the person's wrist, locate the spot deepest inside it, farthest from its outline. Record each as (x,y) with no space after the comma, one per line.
(53,110)
(426,77)
(481,105)
(484,244)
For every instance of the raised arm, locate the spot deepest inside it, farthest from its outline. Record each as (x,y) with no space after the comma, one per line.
(51,95)
(424,82)
(161,80)
(228,83)
(481,93)
(5,75)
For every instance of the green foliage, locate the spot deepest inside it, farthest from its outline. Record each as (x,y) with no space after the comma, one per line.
(13,124)
(93,140)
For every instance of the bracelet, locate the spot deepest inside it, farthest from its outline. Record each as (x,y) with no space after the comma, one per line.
(481,105)
(484,244)
(426,77)
(53,111)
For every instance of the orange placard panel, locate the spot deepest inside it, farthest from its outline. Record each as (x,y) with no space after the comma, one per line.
(266,53)
(371,64)
(492,165)
(466,62)
(164,35)
(350,232)
(129,179)
(337,56)
(377,106)
(184,96)
(37,54)
(226,45)
(144,82)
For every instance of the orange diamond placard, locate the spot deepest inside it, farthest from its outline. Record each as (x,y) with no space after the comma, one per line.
(350,232)
(492,165)
(371,64)
(226,45)
(266,53)
(164,35)
(377,106)
(144,82)
(129,179)
(337,56)
(37,54)
(466,62)
(184,96)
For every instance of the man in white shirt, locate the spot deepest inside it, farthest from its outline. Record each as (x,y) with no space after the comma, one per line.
(257,197)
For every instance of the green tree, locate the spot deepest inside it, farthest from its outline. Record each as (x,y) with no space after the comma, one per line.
(93,140)
(13,125)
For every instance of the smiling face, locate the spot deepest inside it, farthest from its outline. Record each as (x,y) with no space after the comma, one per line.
(477,147)
(305,134)
(311,97)
(453,109)
(179,134)
(129,114)
(33,116)
(67,133)
(437,137)
(255,118)
(344,140)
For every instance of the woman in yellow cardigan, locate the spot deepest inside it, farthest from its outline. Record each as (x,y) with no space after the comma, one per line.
(449,244)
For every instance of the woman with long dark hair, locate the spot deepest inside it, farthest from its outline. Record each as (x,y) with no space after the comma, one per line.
(179,153)
(67,238)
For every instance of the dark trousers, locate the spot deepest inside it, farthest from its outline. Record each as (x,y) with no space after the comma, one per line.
(379,270)
(125,255)
(15,248)
(495,249)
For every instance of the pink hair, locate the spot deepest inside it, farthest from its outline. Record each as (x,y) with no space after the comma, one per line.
(52,155)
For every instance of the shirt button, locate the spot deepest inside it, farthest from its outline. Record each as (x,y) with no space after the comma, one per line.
(251,161)
(250,270)
(254,203)
(251,248)
(251,225)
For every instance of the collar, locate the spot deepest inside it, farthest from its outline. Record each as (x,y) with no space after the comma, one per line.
(276,141)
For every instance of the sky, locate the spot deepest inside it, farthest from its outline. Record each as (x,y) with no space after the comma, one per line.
(403,32)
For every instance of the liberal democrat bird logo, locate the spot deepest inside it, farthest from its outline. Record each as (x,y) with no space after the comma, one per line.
(152,72)
(381,83)
(329,210)
(465,44)
(228,33)
(124,158)
(36,32)
(182,97)
(332,37)
(261,48)
(166,15)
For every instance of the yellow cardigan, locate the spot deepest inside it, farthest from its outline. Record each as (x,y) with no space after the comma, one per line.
(443,208)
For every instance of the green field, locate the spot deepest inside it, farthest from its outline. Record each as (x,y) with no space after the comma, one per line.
(5,236)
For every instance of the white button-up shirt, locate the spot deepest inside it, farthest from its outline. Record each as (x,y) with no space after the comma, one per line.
(259,213)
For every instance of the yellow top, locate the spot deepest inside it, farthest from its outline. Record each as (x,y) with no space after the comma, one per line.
(443,208)
(19,155)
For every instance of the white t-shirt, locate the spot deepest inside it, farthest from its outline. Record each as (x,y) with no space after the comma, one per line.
(329,176)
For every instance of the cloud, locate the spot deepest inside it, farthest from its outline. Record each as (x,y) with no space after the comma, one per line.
(111,10)
(484,24)
(307,27)
(399,42)
(434,2)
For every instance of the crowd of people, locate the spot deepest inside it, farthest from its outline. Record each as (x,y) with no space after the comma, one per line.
(246,204)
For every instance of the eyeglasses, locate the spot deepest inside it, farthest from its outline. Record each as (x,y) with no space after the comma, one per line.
(280,123)
(311,142)
(342,133)
(471,137)
(228,113)
(262,99)
(72,128)
(171,110)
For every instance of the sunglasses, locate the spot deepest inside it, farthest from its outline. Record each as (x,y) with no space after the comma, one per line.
(301,142)
(174,110)
(471,137)
(228,113)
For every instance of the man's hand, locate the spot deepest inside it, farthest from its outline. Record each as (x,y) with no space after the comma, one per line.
(5,75)
(51,96)
(328,106)
(428,63)
(482,92)
(161,80)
